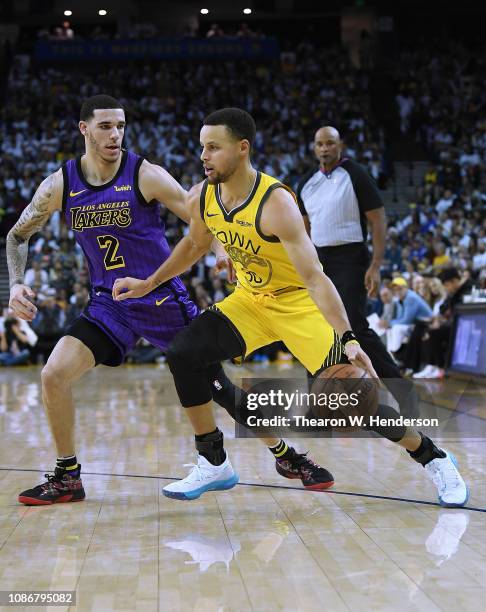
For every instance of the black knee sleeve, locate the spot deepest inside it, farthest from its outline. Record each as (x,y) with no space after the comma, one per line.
(230,397)
(208,340)
(225,393)
(185,363)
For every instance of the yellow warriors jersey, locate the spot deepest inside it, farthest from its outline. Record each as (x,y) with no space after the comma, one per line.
(261,262)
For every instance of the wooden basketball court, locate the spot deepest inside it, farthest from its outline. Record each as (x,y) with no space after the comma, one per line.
(377,540)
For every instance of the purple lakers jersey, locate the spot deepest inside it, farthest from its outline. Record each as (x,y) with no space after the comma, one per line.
(119,232)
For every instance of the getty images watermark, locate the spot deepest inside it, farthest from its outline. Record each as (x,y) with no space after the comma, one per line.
(279,400)
(297,407)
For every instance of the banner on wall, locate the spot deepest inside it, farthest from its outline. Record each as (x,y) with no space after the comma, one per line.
(157,48)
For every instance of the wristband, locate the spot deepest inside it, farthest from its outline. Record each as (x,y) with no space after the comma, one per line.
(348,336)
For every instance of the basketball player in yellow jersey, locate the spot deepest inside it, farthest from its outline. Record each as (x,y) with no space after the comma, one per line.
(282,294)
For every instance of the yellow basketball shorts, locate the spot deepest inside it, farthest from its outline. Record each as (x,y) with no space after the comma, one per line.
(290,316)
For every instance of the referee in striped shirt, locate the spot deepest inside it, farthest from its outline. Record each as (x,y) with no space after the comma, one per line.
(338,200)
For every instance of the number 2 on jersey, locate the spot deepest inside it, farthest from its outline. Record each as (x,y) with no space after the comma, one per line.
(111,244)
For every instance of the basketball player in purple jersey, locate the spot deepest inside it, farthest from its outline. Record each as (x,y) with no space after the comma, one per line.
(110,199)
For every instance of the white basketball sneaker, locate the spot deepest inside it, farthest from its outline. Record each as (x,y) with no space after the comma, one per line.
(451,488)
(203,477)
(424,373)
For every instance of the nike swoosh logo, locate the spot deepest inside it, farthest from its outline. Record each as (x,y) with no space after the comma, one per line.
(159,302)
(72,193)
(213,215)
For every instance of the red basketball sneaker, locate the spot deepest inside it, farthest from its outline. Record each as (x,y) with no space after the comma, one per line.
(61,487)
(298,465)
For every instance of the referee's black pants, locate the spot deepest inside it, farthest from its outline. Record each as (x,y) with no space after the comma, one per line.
(346,266)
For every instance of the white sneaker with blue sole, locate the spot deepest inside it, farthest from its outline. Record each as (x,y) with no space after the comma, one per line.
(451,488)
(203,477)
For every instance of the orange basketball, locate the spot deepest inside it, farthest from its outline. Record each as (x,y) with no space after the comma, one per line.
(344,391)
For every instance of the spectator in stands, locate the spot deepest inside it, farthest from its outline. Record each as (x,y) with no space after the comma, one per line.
(469,157)
(36,277)
(456,286)
(437,294)
(48,324)
(393,256)
(215,31)
(439,332)
(441,259)
(46,242)
(202,298)
(388,312)
(406,105)
(64,32)
(144,352)
(14,344)
(410,309)
(245,31)
(479,259)
(433,292)
(219,290)
(77,304)
(60,278)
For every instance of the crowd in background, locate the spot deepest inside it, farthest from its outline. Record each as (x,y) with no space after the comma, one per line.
(288,100)
(445,228)
(442,99)
(146,30)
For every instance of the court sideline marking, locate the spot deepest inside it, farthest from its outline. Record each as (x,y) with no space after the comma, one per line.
(266,486)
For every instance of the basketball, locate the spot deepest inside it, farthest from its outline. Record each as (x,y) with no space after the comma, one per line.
(344,391)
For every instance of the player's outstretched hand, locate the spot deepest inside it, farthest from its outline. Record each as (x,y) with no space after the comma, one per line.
(359,358)
(20,302)
(224,263)
(126,288)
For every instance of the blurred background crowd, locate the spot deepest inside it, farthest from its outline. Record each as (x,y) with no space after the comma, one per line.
(436,242)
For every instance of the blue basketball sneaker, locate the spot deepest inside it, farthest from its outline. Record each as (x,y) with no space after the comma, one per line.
(203,477)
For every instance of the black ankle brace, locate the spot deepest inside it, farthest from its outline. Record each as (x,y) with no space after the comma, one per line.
(426,452)
(211,446)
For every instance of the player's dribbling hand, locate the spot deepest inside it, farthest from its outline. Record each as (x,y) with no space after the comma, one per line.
(20,302)
(359,358)
(126,288)
(223,262)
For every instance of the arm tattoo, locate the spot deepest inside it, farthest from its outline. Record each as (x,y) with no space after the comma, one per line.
(32,219)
